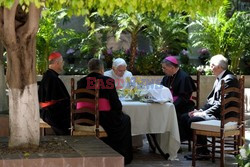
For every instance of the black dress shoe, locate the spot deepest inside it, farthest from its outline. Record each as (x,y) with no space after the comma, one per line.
(198,157)
(202,151)
(180,150)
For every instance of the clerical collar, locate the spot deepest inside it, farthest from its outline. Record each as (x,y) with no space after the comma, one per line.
(175,72)
(54,71)
(221,74)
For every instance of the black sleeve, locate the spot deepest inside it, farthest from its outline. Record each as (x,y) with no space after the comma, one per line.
(113,98)
(52,88)
(215,108)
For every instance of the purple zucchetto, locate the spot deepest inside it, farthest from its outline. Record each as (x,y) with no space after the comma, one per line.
(172,59)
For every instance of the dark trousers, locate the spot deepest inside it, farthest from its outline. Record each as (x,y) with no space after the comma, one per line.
(186,132)
(59,122)
(118,127)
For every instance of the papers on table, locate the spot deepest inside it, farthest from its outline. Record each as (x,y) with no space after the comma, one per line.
(159,93)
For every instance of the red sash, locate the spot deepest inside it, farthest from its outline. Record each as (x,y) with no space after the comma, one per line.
(48,103)
(104,105)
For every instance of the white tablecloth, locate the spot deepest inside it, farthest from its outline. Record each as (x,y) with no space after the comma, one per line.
(158,119)
(247,99)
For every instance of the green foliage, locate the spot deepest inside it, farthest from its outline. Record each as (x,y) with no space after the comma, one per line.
(244,157)
(238,37)
(137,10)
(169,35)
(109,55)
(72,70)
(190,69)
(149,64)
(6,3)
(47,37)
(145,63)
(83,46)
(223,35)
(184,59)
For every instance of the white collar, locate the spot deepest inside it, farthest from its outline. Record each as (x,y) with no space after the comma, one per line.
(221,74)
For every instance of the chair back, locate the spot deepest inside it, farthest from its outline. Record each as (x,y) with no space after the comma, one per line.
(196,95)
(232,105)
(92,97)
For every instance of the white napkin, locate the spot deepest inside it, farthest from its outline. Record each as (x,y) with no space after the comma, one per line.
(158,93)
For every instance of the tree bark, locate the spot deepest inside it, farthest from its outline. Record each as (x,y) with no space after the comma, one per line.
(3,97)
(19,29)
(133,46)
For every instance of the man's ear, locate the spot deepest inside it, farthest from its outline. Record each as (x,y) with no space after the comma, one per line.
(102,71)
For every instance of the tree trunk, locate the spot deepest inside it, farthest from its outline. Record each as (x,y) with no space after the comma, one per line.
(23,99)
(133,46)
(3,97)
(19,29)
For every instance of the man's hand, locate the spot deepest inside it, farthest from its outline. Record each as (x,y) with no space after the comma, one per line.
(190,114)
(197,113)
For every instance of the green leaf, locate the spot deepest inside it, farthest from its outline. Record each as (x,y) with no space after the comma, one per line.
(26,154)
(8,3)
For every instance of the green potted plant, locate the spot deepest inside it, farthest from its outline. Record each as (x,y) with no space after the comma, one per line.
(244,157)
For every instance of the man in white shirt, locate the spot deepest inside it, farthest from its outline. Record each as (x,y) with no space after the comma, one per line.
(123,78)
(211,109)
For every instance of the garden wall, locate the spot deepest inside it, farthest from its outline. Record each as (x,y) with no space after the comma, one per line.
(206,83)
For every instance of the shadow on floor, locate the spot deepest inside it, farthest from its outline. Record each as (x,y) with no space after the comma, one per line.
(143,157)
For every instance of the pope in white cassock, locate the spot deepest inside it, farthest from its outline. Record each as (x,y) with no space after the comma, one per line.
(123,78)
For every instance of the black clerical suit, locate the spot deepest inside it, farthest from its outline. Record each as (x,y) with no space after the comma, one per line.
(212,106)
(182,86)
(115,122)
(54,103)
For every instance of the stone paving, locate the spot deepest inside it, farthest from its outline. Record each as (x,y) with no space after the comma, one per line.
(79,152)
(91,152)
(144,158)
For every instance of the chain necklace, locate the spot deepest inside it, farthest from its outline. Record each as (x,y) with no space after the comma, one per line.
(171,81)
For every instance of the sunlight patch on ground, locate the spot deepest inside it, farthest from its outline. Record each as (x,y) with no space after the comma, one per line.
(247,135)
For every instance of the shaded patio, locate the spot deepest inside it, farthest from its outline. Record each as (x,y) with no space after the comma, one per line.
(67,151)
(144,158)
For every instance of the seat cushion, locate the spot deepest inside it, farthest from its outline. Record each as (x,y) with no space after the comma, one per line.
(88,128)
(44,124)
(213,125)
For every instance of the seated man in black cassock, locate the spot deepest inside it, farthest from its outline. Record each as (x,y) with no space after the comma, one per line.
(180,84)
(54,98)
(116,124)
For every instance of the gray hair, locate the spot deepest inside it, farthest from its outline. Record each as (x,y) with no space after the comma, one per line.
(95,65)
(53,61)
(119,62)
(219,60)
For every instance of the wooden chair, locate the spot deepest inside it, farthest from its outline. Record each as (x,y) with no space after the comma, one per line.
(85,126)
(43,127)
(196,96)
(196,99)
(229,125)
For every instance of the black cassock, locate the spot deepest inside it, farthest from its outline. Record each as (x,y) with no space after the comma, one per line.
(115,122)
(52,92)
(182,86)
